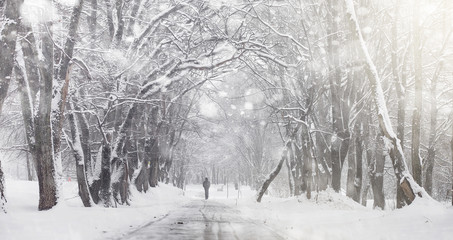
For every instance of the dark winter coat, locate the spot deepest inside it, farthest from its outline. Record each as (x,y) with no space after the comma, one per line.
(206,184)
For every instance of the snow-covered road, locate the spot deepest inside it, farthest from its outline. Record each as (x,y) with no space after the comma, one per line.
(202,219)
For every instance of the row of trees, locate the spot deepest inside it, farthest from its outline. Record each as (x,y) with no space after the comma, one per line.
(122,86)
(341,56)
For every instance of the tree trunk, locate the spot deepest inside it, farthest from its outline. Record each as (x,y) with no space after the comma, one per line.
(416,117)
(358,161)
(8,46)
(27,115)
(429,164)
(350,189)
(119,18)
(273,174)
(79,159)
(109,14)
(43,132)
(340,139)
(105,191)
(152,153)
(377,175)
(63,75)
(307,157)
(120,180)
(93,21)
(401,94)
(2,190)
(84,137)
(141,182)
(430,160)
(6,57)
(290,179)
(324,158)
(298,186)
(409,186)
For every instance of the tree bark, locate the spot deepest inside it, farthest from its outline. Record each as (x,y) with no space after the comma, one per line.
(93,21)
(79,158)
(2,190)
(273,174)
(350,190)
(416,117)
(429,163)
(401,94)
(105,191)
(84,137)
(43,132)
(430,160)
(119,17)
(63,75)
(340,139)
(8,46)
(152,153)
(377,175)
(358,162)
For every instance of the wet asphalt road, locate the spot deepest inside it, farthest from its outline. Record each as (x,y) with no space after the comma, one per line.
(202,219)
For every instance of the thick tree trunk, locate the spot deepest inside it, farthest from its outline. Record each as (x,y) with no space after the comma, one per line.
(340,139)
(43,132)
(29,167)
(105,178)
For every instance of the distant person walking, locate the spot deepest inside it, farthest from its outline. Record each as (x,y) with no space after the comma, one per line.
(206,185)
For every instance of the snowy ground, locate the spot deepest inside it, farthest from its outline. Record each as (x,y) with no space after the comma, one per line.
(70,220)
(332,216)
(327,216)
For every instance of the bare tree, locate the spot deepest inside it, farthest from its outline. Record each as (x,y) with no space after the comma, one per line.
(416,117)
(410,187)
(7,54)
